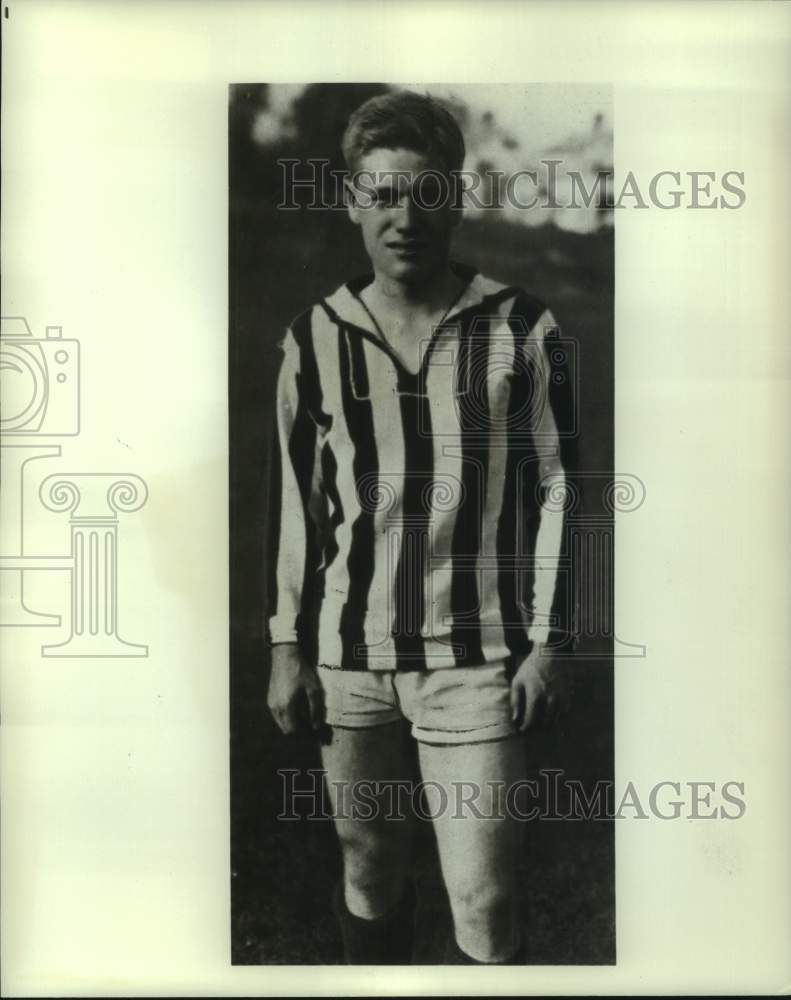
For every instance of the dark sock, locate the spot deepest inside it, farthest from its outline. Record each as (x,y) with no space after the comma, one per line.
(454,955)
(385,940)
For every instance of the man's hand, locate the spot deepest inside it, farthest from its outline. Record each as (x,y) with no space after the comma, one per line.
(295,693)
(539,686)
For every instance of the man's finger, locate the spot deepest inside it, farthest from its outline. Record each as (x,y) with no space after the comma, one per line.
(531,700)
(275,713)
(517,700)
(287,720)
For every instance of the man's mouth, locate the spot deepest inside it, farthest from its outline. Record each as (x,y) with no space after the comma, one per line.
(407,246)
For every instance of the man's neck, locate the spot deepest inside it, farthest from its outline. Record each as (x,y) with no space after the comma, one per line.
(434,294)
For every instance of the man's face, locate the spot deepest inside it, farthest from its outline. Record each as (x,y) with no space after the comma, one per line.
(402,202)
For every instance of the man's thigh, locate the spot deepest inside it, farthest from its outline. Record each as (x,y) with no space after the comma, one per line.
(374,753)
(478,841)
(369,777)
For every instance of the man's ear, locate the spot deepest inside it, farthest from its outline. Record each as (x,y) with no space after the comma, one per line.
(351,201)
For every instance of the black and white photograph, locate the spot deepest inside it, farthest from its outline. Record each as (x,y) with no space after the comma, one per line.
(421,399)
(394,503)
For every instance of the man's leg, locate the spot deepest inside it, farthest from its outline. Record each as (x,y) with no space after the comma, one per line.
(376,901)
(478,855)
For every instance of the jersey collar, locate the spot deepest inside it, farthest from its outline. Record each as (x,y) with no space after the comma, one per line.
(346,305)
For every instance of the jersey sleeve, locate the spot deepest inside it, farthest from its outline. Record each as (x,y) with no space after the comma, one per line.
(553,432)
(295,518)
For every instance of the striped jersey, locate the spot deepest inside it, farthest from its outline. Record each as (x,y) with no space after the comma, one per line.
(422,510)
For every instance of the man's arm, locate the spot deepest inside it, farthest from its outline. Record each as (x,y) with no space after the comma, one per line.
(293,681)
(555,455)
(550,627)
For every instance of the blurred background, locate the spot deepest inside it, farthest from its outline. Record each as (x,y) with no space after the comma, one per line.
(280,263)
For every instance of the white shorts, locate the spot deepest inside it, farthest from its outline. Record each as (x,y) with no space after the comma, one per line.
(450,706)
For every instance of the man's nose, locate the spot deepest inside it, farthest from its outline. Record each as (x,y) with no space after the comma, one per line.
(408,214)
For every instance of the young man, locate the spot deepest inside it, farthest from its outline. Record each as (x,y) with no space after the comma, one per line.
(421,412)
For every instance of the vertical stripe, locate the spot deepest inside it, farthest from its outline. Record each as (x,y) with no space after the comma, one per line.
(275,515)
(109,562)
(501,363)
(551,597)
(339,485)
(473,414)
(79,591)
(302,453)
(445,427)
(329,479)
(309,381)
(93,581)
(389,437)
(530,515)
(358,415)
(523,317)
(410,575)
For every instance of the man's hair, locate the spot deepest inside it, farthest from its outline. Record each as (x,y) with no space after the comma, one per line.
(404,119)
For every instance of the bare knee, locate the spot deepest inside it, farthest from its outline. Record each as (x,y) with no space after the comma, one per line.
(485,921)
(374,865)
(483,905)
